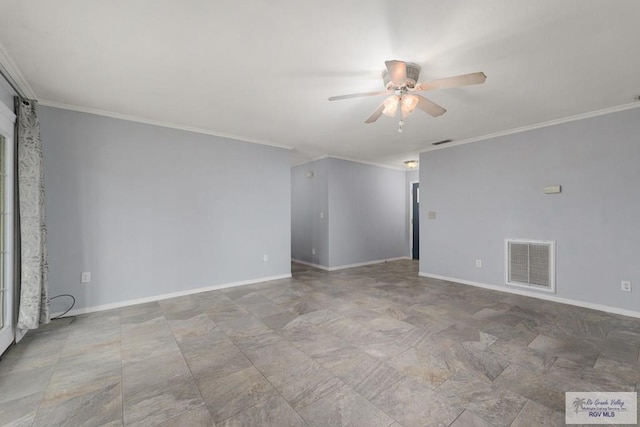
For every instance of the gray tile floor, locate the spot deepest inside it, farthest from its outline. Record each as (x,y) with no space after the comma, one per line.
(371,346)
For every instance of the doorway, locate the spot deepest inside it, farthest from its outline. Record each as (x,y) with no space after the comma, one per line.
(414,232)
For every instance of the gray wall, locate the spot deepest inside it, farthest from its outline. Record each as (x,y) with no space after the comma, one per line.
(410,175)
(487,191)
(150,210)
(367,213)
(309,198)
(363,213)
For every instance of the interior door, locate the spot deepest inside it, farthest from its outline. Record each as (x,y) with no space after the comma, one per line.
(415,191)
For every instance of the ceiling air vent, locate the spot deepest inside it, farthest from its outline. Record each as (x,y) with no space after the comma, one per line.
(530,264)
(444,141)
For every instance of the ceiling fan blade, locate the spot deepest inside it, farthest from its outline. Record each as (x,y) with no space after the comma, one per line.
(376,114)
(429,107)
(397,72)
(358,95)
(462,80)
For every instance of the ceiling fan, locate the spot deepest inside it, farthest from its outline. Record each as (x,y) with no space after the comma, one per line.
(400,82)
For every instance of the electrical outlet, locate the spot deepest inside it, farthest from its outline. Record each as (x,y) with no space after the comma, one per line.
(479,263)
(265,258)
(85,277)
(313,251)
(625,285)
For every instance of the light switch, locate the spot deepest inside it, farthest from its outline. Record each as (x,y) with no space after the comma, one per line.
(431,215)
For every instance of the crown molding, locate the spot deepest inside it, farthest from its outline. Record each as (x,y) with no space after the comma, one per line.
(582,116)
(15,75)
(364,162)
(311,160)
(131,118)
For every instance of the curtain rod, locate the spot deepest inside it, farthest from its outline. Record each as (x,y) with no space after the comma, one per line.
(5,75)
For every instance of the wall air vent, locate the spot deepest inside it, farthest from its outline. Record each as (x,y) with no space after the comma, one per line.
(444,141)
(530,264)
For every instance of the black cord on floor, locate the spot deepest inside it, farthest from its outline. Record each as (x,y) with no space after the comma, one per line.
(68,310)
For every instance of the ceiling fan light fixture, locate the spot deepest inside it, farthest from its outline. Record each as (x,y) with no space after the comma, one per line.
(409,103)
(391,106)
(411,164)
(412,72)
(400,79)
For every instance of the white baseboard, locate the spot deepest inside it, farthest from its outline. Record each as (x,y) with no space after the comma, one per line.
(569,301)
(342,267)
(310,264)
(126,303)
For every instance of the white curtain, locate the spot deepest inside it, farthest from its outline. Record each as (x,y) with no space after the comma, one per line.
(33,307)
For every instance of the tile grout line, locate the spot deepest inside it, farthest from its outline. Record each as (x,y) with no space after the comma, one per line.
(239,349)
(381,361)
(44,392)
(257,369)
(121,370)
(319,365)
(456,418)
(521,409)
(188,367)
(254,366)
(345,384)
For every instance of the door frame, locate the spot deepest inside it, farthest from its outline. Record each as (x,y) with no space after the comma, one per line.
(7,121)
(411,215)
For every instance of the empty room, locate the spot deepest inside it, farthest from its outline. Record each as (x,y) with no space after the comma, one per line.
(339,213)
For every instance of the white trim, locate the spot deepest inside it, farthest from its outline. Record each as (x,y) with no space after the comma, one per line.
(170,295)
(543,296)
(16,75)
(364,162)
(411,215)
(8,331)
(581,116)
(170,125)
(310,264)
(311,160)
(342,267)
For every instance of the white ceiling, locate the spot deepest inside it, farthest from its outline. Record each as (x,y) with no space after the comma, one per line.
(262,70)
